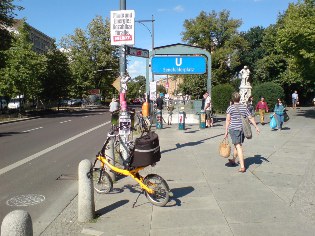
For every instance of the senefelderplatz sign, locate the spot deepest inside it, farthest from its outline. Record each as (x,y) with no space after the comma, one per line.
(122,30)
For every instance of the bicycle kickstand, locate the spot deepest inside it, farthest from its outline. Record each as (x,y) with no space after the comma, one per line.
(134,203)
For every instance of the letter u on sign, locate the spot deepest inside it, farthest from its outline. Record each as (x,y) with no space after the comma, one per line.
(180,61)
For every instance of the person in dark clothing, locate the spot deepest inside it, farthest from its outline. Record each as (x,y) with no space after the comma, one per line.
(159,102)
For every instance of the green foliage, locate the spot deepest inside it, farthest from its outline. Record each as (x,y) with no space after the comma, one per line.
(7,14)
(221,96)
(24,68)
(270,91)
(136,85)
(94,62)
(194,85)
(161,89)
(217,33)
(57,80)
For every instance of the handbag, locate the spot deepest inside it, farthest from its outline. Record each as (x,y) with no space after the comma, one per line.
(225,148)
(246,126)
(286,117)
(273,122)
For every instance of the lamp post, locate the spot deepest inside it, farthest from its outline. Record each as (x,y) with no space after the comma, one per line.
(151,33)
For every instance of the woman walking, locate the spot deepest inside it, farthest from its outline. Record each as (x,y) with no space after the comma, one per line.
(279,113)
(233,126)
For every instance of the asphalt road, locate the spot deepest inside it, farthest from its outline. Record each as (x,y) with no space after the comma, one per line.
(39,161)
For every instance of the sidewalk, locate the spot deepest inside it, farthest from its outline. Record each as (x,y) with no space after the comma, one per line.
(276,195)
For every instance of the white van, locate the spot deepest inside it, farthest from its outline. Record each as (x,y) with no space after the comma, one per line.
(15,102)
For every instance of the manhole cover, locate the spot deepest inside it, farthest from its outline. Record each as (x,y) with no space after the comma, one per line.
(26,200)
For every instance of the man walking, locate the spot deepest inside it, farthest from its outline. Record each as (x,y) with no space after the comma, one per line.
(262,107)
(295,99)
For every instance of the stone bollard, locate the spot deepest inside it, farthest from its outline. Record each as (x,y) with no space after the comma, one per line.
(86,204)
(17,223)
(111,154)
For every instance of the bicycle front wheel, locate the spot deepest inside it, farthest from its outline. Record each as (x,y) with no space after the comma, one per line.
(102,182)
(160,196)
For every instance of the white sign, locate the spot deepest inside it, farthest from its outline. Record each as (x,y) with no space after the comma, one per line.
(122,27)
(153,90)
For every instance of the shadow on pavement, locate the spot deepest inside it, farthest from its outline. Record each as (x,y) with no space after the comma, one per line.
(190,144)
(306,113)
(179,193)
(257,159)
(111,207)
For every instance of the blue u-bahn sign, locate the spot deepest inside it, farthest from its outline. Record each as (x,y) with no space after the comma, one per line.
(178,65)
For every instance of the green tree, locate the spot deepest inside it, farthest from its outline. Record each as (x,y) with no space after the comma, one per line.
(94,62)
(295,39)
(217,33)
(254,37)
(194,85)
(221,97)
(270,91)
(57,80)
(135,85)
(24,68)
(7,8)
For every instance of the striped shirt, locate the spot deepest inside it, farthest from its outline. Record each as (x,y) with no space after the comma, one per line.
(236,121)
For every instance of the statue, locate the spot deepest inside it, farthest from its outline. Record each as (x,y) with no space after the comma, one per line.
(245,76)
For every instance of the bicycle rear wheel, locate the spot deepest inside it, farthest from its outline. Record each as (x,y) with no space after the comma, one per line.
(161,195)
(102,182)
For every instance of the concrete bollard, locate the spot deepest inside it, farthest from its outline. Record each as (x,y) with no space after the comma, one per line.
(86,204)
(17,223)
(111,153)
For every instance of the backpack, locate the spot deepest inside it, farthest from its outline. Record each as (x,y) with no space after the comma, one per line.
(246,126)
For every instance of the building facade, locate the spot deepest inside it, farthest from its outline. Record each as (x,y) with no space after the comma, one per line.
(41,42)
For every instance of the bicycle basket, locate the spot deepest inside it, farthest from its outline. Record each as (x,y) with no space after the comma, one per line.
(146,151)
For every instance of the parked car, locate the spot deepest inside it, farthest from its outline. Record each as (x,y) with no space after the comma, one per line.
(16,103)
(136,101)
(3,104)
(75,102)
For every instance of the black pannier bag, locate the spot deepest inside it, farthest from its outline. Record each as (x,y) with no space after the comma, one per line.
(146,150)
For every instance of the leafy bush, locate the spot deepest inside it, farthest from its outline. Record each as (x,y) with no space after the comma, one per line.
(270,91)
(221,96)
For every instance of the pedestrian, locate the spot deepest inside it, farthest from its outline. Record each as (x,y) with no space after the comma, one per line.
(208,108)
(262,107)
(203,100)
(295,99)
(159,102)
(250,106)
(170,109)
(279,113)
(234,127)
(114,105)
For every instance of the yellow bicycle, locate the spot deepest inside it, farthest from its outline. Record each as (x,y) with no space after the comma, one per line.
(154,186)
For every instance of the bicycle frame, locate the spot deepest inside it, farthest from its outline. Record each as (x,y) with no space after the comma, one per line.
(133,173)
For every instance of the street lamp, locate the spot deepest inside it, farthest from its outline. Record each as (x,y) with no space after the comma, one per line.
(151,34)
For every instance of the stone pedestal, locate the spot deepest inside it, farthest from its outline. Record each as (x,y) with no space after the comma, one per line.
(245,92)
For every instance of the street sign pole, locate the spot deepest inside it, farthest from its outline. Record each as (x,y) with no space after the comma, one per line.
(123,115)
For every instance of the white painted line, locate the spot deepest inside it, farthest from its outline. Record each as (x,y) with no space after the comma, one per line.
(84,117)
(34,156)
(61,122)
(26,131)
(91,232)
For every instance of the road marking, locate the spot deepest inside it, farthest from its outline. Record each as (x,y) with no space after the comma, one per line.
(61,122)
(84,117)
(91,232)
(26,131)
(34,156)
(26,200)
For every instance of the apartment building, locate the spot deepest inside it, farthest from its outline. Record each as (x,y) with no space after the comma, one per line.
(41,42)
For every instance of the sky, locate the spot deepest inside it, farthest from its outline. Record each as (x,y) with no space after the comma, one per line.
(58,18)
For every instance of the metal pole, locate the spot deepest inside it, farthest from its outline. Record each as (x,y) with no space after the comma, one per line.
(152,45)
(124,115)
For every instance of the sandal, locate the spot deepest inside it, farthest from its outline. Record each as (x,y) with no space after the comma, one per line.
(231,162)
(242,170)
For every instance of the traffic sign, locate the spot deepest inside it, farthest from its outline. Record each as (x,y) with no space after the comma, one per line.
(178,65)
(138,52)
